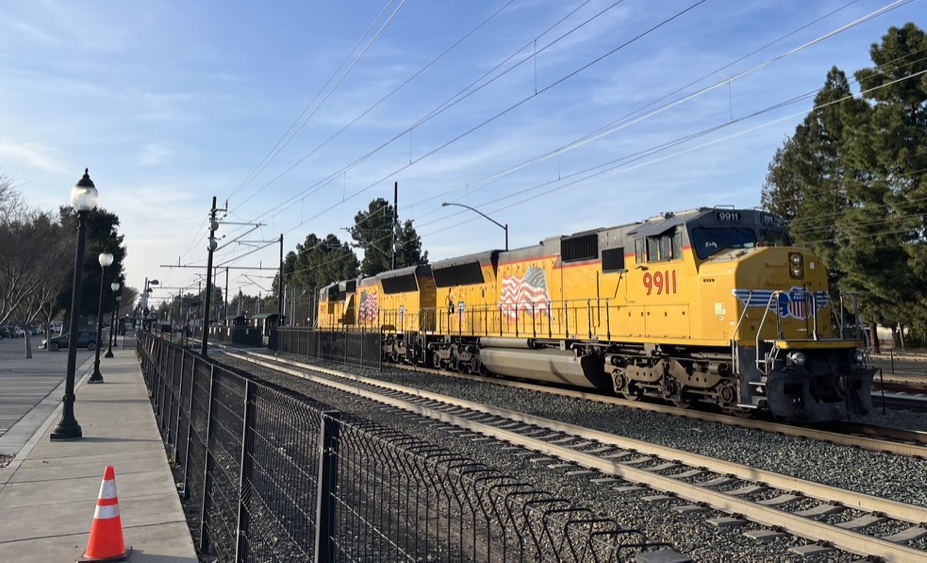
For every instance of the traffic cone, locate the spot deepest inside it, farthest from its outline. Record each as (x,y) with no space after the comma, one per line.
(106,543)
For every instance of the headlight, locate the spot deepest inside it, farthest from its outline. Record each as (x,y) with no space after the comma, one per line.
(796,265)
(858,357)
(796,358)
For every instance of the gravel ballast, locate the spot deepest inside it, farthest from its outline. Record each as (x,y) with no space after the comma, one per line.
(894,477)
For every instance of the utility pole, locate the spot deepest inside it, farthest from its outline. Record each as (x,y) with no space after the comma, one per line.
(211,247)
(225,296)
(395,225)
(280,286)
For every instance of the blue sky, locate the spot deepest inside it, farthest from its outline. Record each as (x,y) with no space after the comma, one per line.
(550,116)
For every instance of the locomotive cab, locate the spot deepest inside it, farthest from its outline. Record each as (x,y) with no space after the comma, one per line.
(787,352)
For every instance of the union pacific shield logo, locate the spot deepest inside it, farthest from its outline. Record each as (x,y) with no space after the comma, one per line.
(794,304)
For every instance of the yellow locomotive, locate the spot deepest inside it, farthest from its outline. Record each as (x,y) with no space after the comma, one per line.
(709,305)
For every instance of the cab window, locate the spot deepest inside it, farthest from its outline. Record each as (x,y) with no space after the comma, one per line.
(659,248)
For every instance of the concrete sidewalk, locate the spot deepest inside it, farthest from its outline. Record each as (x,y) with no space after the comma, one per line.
(48,493)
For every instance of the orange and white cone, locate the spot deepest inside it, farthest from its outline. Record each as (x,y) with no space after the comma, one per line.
(106,543)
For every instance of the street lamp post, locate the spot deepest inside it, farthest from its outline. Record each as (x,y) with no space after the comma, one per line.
(497,223)
(106,259)
(112,320)
(119,326)
(145,311)
(83,199)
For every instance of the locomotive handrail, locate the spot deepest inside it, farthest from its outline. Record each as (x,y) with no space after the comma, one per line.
(866,337)
(774,295)
(735,350)
(814,314)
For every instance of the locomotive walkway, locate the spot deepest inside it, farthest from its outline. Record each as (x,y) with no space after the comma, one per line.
(49,491)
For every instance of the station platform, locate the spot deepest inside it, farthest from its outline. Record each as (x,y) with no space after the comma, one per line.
(49,491)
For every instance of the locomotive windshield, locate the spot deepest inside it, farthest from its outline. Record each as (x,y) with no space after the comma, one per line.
(707,241)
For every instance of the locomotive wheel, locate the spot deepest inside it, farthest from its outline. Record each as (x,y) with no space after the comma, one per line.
(620,385)
(682,402)
(727,396)
(738,412)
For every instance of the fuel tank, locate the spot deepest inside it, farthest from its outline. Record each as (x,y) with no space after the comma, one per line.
(548,365)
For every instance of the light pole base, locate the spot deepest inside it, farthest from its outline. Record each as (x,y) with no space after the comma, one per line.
(108,354)
(67,431)
(97,377)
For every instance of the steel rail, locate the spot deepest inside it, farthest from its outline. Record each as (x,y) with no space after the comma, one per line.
(856,441)
(801,526)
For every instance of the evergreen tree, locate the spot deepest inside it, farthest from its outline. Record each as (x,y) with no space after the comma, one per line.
(805,181)
(884,256)
(852,181)
(102,236)
(374,230)
(318,262)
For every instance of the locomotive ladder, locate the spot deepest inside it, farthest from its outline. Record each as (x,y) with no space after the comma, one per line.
(767,351)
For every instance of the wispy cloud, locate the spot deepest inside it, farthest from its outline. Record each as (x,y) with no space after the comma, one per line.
(155,154)
(34,155)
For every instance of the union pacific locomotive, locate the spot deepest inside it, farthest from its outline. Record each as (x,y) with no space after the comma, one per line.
(709,305)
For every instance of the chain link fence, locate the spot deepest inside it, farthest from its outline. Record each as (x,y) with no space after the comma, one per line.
(270,475)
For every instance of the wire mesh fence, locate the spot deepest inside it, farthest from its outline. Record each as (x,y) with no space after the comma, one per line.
(360,348)
(271,475)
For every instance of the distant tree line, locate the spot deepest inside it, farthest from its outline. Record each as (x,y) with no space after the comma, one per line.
(852,181)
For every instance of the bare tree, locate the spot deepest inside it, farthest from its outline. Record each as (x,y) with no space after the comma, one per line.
(12,203)
(35,268)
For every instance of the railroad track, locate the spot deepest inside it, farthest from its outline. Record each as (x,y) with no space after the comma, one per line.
(863,435)
(690,482)
(872,437)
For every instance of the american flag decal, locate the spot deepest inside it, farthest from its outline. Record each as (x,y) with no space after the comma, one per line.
(528,293)
(368,306)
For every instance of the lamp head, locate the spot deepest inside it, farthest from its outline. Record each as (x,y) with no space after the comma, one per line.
(106,259)
(114,286)
(445,204)
(84,194)
(153,282)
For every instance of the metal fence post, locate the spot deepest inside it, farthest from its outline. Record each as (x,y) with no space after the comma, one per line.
(247,446)
(204,508)
(186,459)
(328,478)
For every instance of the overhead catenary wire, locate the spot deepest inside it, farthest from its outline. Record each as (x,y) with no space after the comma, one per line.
(817,40)
(675,153)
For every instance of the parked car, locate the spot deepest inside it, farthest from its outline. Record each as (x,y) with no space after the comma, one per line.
(19,332)
(7,332)
(85,339)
